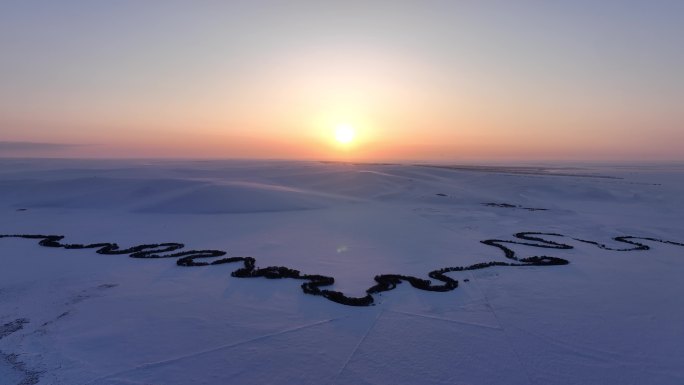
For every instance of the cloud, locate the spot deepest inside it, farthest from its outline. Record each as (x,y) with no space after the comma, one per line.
(7,145)
(34,148)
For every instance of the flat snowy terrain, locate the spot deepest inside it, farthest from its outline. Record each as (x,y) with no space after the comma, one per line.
(613,315)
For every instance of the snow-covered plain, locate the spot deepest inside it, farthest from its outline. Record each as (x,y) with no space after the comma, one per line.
(78,317)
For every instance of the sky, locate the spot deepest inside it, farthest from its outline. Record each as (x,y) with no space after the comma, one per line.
(416,80)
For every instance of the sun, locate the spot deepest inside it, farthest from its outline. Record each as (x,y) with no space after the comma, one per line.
(344,133)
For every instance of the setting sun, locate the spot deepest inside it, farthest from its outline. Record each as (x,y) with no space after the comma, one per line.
(344,133)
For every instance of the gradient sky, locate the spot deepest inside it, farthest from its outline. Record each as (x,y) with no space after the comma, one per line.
(419,80)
